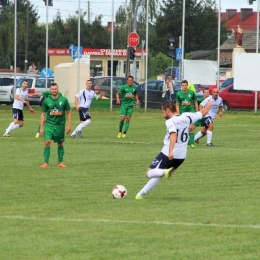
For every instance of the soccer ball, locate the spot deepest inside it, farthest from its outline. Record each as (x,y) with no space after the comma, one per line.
(119,192)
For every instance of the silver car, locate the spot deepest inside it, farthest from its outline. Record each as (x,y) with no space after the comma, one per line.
(6,86)
(36,84)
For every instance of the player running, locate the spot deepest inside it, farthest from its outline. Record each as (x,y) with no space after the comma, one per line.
(83,101)
(215,111)
(174,150)
(18,105)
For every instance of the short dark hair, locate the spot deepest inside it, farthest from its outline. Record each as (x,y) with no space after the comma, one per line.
(54,84)
(130,77)
(169,104)
(205,89)
(184,81)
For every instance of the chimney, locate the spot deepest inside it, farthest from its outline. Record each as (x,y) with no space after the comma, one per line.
(245,13)
(230,13)
(109,26)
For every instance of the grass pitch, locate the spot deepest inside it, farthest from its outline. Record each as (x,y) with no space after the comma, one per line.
(209,209)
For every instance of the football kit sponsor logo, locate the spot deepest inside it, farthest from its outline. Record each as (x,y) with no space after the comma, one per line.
(55,112)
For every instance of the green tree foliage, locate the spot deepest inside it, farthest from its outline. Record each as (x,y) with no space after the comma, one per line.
(158,63)
(201,25)
(63,33)
(7,21)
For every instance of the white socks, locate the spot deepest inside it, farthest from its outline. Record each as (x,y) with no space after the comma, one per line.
(12,127)
(81,126)
(209,136)
(149,186)
(198,135)
(155,176)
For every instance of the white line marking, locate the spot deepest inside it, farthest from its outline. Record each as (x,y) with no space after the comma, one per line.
(133,222)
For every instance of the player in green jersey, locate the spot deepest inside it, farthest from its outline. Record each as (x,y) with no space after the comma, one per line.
(129,97)
(55,108)
(45,94)
(186,101)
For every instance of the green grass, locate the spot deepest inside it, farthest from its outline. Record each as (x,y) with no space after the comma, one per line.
(209,209)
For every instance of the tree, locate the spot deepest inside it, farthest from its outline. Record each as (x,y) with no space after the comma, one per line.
(201,25)
(158,63)
(7,31)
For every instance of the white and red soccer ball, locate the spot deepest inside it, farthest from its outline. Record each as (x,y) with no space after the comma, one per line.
(119,192)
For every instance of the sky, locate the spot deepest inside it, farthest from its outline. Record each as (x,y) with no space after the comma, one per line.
(104,7)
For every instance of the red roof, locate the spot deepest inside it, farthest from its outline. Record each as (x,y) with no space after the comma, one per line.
(247,24)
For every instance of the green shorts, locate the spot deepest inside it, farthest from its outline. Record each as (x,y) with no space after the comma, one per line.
(126,110)
(198,123)
(55,133)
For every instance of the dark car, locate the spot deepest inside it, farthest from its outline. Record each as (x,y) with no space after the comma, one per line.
(227,82)
(238,99)
(155,91)
(103,84)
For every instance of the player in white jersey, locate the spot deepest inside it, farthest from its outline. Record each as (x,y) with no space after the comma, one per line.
(174,149)
(215,111)
(19,101)
(82,102)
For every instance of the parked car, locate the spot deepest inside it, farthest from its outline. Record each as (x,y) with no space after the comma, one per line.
(154,93)
(36,84)
(103,83)
(227,82)
(6,85)
(238,99)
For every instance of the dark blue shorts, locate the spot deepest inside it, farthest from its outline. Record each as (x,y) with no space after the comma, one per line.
(84,114)
(18,114)
(206,121)
(162,162)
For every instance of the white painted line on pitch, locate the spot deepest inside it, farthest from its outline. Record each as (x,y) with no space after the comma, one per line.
(167,223)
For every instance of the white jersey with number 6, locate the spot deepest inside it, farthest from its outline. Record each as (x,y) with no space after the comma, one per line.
(179,124)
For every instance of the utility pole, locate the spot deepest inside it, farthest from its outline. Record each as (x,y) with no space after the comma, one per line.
(26,39)
(130,29)
(88,12)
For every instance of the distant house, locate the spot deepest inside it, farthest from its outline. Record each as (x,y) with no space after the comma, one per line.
(246,18)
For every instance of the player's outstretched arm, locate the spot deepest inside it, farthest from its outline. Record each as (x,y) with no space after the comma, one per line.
(206,109)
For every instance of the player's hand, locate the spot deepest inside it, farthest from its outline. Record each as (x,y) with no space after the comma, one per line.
(118,101)
(78,108)
(68,129)
(41,132)
(137,102)
(170,156)
(32,111)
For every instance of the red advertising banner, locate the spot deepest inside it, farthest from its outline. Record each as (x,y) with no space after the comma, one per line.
(93,52)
